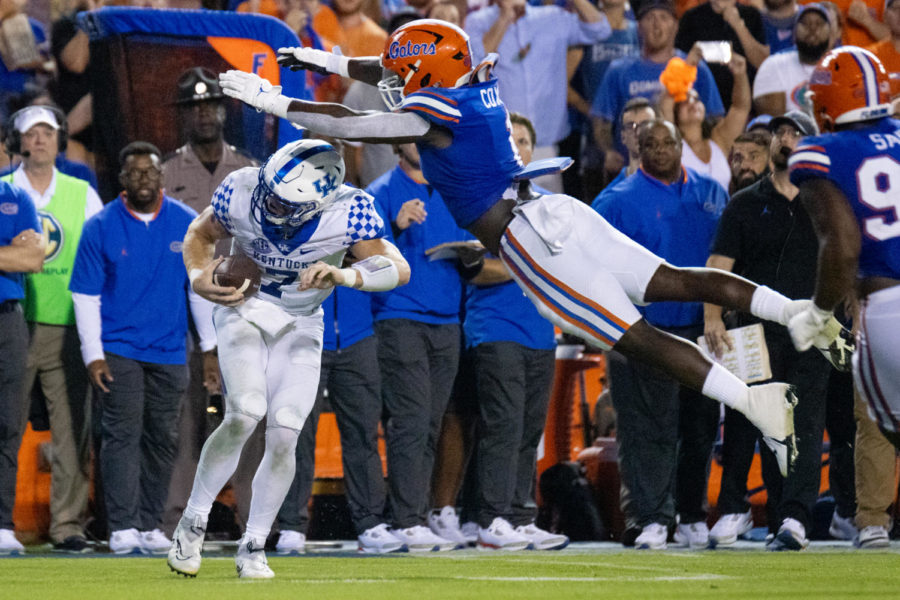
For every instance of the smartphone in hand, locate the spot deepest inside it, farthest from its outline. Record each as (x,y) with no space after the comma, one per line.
(716,52)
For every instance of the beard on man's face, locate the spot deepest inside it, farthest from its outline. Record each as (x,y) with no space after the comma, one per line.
(745,178)
(810,53)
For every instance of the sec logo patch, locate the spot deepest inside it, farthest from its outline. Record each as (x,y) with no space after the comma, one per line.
(54,236)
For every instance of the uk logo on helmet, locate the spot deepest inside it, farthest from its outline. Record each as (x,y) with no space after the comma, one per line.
(409,49)
(326,185)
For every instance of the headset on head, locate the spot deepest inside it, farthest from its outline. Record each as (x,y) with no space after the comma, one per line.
(12,139)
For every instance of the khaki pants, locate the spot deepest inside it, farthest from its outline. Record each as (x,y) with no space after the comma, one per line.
(54,364)
(875,466)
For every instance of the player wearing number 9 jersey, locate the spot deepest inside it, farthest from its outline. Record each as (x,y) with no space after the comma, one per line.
(294,217)
(849,182)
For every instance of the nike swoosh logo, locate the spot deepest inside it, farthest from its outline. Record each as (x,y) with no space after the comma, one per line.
(179,555)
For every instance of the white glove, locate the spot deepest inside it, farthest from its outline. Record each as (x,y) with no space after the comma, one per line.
(255,91)
(807,326)
(311,59)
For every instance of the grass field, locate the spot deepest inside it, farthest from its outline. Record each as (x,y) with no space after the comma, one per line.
(595,572)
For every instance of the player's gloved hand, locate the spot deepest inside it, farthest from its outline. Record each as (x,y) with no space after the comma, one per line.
(311,59)
(807,326)
(252,89)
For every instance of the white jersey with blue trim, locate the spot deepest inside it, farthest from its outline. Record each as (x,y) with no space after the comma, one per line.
(350,218)
(864,163)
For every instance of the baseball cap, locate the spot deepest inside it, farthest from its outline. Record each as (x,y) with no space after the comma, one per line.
(815,7)
(760,121)
(197,85)
(798,119)
(648,5)
(31,116)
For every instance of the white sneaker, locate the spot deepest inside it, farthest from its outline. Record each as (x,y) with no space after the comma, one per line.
(445,524)
(770,408)
(693,535)
(542,540)
(421,539)
(842,528)
(378,540)
(155,542)
(290,542)
(250,560)
(126,541)
(873,536)
(652,537)
(729,528)
(500,535)
(9,545)
(187,543)
(469,530)
(791,536)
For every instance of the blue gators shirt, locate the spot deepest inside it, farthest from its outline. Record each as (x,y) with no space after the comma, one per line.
(870,180)
(17,213)
(434,291)
(137,270)
(348,318)
(676,222)
(474,171)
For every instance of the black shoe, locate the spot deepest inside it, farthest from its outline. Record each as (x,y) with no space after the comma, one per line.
(74,544)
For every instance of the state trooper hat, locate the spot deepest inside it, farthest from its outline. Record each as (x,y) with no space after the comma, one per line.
(198,85)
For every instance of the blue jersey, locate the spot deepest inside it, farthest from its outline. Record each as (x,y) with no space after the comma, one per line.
(17,213)
(870,179)
(472,173)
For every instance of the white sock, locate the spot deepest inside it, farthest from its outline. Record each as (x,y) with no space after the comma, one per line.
(768,304)
(721,385)
(272,480)
(218,461)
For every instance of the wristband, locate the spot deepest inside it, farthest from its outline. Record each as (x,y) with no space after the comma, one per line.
(278,106)
(378,274)
(349,277)
(336,63)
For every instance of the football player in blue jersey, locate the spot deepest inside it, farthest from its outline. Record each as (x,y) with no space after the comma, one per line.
(849,180)
(579,271)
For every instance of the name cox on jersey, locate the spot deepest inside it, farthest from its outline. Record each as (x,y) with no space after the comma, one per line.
(409,49)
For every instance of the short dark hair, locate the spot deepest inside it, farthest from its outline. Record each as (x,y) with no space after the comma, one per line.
(520,119)
(138,148)
(755,136)
(638,103)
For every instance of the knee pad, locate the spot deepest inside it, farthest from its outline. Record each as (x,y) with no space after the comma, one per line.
(291,417)
(253,405)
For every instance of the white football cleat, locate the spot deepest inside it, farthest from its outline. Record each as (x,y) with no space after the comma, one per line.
(250,560)
(378,540)
(187,543)
(770,408)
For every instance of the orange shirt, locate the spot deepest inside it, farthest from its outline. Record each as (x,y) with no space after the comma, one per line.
(365,39)
(855,35)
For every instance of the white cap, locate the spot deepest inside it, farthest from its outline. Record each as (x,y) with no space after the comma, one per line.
(31,116)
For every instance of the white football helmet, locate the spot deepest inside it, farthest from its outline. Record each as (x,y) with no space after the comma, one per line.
(296,184)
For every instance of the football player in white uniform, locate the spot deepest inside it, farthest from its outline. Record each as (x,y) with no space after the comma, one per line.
(294,217)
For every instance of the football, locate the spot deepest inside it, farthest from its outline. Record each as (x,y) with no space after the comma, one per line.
(240,272)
